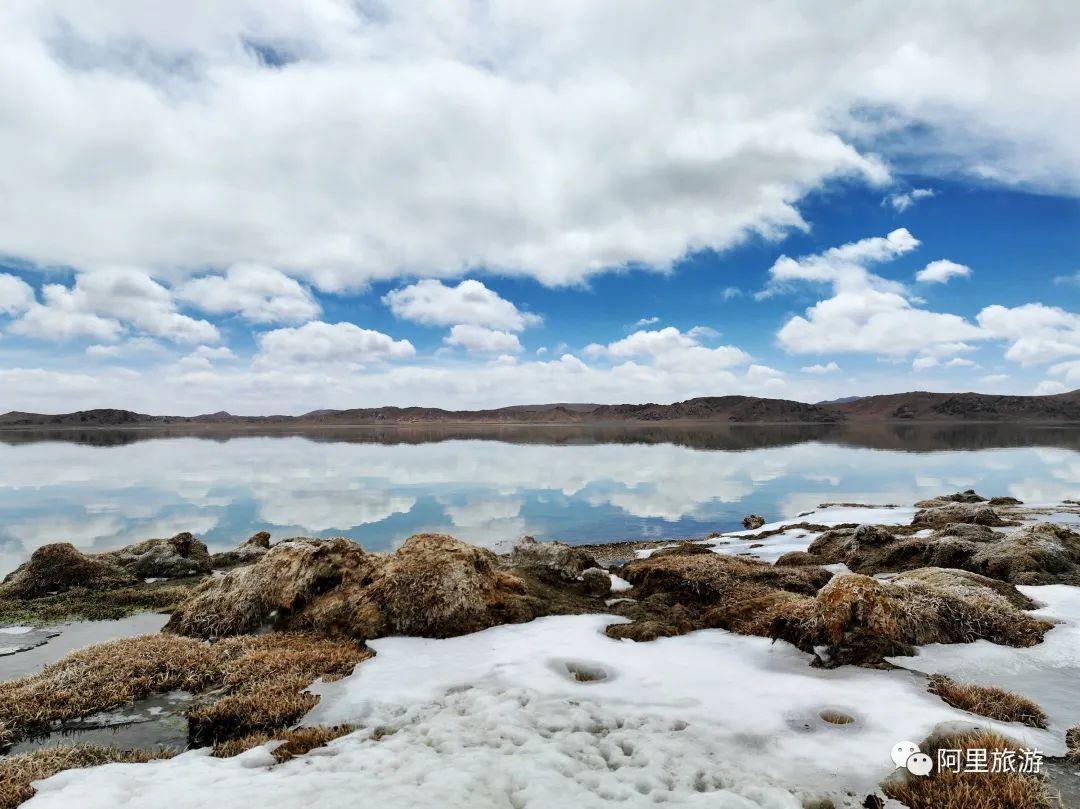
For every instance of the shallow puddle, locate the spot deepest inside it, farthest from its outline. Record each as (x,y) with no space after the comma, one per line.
(53,642)
(157,721)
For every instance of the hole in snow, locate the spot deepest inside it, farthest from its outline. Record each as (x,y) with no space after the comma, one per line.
(582,671)
(835,717)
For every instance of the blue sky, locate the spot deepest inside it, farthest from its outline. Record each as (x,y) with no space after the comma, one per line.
(523,208)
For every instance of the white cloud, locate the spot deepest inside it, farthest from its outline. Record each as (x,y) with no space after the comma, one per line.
(729,293)
(214,353)
(515,156)
(960,362)
(994,379)
(130,347)
(940,271)
(867,314)
(923,363)
(1048,387)
(1069,370)
(16,296)
(101,302)
(903,200)
(647,321)
(827,368)
(433,303)
(479,340)
(1068,279)
(1036,333)
(60,319)
(258,294)
(844,267)
(319,342)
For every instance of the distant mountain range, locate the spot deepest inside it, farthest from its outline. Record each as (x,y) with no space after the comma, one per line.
(917,406)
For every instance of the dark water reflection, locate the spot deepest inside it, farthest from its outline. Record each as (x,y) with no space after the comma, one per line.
(104,488)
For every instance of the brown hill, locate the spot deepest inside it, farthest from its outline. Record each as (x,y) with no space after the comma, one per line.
(917,406)
(924,406)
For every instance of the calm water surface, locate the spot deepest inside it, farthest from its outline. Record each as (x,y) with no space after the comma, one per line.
(103,489)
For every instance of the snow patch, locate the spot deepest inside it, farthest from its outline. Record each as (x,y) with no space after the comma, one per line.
(499,718)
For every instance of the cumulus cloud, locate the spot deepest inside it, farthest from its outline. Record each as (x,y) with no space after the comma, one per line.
(319,342)
(903,200)
(1036,333)
(16,296)
(867,313)
(434,303)
(1048,387)
(827,368)
(940,271)
(61,319)
(515,157)
(480,340)
(671,348)
(647,321)
(258,294)
(1069,370)
(102,303)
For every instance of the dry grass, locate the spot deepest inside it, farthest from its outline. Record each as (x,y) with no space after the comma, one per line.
(432,586)
(95,605)
(294,743)
(986,700)
(18,772)
(864,619)
(965,790)
(1072,739)
(262,678)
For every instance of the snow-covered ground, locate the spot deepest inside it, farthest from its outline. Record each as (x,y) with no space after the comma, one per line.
(503,718)
(553,713)
(1048,673)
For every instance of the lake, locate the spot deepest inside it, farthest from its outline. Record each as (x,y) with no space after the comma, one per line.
(100,489)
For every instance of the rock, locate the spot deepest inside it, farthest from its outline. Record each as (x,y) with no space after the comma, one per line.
(551,560)
(940,516)
(597,582)
(966,496)
(437,586)
(433,586)
(752,522)
(799,559)
(252,548)
(1005,501)
(1044,553)
(682,549)
(1038,554)
(258,540)
(863,620)
(60,567)
(870,535)
(968,531)
(182,555)
(273,590)
(697,591)
(644,631)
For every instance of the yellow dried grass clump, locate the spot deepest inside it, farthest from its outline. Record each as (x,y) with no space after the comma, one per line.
(989,701)
(294,742)
(967,790)
(263,677)
(17,773)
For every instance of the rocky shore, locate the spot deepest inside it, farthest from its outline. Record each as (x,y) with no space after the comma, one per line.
(839,598)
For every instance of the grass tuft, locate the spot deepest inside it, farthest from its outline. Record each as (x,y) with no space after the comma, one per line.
(988,701)
(967,790)
(294,742)
(262,679)
(17,773)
